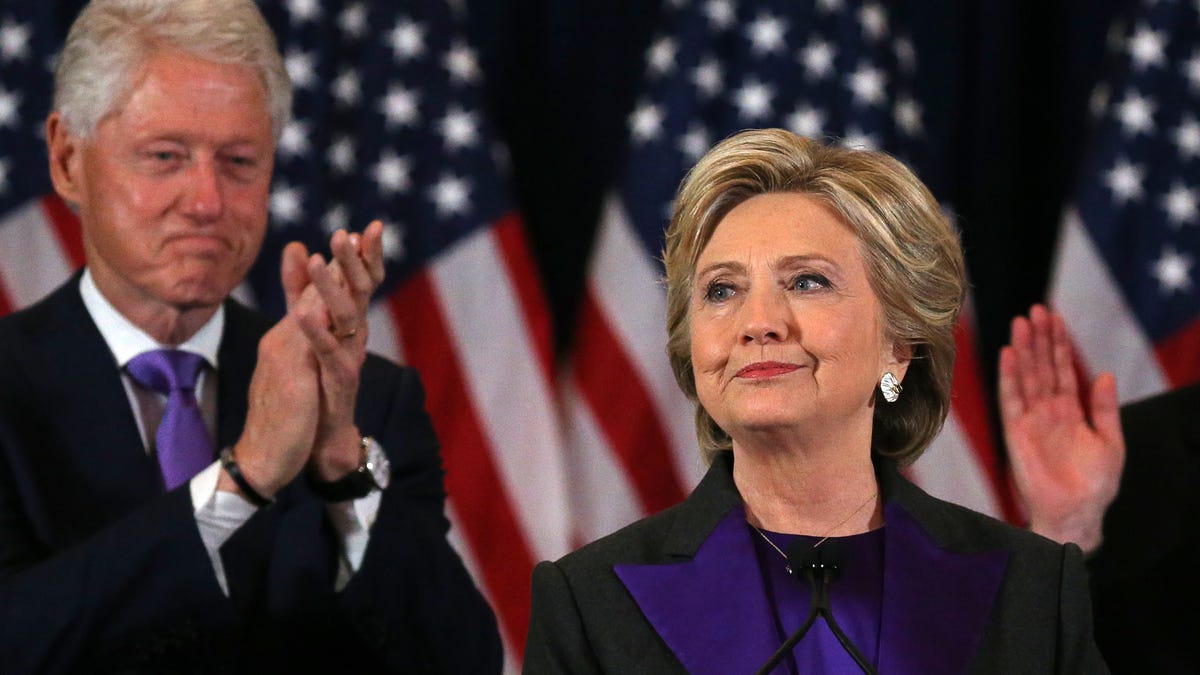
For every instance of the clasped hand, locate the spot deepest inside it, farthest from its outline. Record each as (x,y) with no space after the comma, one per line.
(302,395)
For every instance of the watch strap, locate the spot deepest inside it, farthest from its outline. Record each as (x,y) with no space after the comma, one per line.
(355,485)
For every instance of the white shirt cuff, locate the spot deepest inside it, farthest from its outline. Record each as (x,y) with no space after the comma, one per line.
(218,516)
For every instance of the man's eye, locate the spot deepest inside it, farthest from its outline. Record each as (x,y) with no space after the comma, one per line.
(242,168)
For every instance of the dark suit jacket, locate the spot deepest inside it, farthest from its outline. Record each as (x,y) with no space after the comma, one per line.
(962,593)
(1144,576)
(101,569)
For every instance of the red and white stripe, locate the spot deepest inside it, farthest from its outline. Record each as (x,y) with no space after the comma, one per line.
(1104,330)
(475,325)
(961,465)
(631,443)
(40,247)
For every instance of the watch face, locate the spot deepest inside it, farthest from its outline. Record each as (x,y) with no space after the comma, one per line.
(379,466)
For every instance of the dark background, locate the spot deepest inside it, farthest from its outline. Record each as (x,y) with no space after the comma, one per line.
(1006,88)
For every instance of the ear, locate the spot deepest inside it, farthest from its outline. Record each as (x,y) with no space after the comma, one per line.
(66,159)
(896,358)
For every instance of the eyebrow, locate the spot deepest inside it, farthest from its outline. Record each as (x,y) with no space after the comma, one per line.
(785,262)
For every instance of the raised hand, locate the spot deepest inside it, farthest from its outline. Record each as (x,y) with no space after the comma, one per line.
(329,302)
(1066,458)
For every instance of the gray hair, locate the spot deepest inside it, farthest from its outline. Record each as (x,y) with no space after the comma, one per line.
(112,39)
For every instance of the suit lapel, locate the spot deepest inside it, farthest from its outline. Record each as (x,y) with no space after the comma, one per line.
(936,601)
(99,457)
(710,575)
(699,627)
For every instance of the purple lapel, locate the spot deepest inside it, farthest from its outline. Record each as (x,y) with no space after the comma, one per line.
(936,602)
(711,610)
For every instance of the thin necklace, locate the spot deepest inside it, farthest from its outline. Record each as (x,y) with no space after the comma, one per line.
(829,533)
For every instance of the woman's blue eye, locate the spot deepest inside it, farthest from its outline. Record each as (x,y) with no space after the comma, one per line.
(718,292)
(809,282)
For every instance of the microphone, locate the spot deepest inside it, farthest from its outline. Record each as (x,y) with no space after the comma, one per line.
(820,565)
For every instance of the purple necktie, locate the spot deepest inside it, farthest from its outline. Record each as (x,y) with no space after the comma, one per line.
(182,442)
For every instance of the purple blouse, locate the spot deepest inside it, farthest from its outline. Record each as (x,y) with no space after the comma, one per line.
(855,596)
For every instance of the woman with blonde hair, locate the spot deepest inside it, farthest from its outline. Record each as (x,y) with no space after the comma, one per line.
(812,294)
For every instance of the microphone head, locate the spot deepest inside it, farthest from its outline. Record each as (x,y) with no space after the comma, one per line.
(822,562)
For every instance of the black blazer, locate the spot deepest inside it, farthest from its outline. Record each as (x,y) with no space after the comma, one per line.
(962,593)
(102,569)
(1144,576)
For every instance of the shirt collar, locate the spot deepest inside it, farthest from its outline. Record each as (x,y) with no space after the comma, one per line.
(126,340)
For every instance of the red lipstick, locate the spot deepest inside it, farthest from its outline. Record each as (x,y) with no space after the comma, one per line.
(766,369)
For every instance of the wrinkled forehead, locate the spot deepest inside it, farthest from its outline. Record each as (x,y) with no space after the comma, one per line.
(169,67)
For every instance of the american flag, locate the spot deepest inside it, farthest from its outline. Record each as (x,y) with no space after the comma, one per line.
(1125,273)
(829,69)
(39,237)
(387,124)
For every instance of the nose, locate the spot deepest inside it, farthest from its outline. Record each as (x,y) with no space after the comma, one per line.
(766,317)
(204,200)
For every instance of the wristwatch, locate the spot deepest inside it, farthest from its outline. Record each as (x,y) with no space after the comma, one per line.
(374,472)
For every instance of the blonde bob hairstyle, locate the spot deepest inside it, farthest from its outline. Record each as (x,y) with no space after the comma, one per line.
(912,256)
(111,40)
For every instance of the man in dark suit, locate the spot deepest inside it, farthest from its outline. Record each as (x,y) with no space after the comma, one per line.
(317,539)
(1136,513)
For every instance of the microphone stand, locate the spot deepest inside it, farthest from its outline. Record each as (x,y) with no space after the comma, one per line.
(819,575)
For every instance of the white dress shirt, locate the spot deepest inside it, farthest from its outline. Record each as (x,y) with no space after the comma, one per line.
(218,514)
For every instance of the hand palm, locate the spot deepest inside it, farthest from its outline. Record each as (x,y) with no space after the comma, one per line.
(1067,454)
(1061,463)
